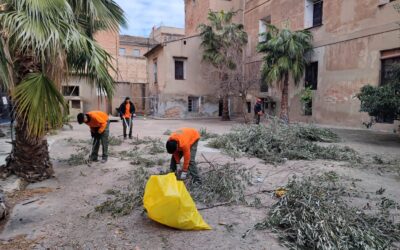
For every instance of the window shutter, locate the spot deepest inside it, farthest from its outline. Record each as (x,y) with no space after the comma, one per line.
(317,13)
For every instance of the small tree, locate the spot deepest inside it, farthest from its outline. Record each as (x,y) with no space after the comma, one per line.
(222,43)
(284,55)
(382,101)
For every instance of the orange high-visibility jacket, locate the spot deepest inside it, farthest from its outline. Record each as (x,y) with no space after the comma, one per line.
(185,137)
(98,121)
(127,111)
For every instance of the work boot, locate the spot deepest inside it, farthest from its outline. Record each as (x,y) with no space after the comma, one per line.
(103,160)
(130,137)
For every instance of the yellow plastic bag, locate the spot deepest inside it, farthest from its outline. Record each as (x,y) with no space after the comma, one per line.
(168,202)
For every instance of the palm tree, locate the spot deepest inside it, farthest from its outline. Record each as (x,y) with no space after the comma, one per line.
(222,43)
(285,55)
(42,43)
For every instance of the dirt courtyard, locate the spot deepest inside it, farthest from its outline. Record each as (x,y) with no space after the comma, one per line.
(63,216)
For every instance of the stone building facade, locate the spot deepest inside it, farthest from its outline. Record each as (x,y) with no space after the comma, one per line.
(180,83)
(354,42)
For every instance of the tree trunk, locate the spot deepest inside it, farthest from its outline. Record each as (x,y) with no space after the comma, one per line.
(225,108)
(284,115)
(244,109)
(29,157)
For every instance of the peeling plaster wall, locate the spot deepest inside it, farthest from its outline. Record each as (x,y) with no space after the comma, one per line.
(347,47)
(170,96)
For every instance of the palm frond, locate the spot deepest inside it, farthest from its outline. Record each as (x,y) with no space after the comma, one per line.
(285,52)
(86,58)
(96,15)
(36,27)
(39,103)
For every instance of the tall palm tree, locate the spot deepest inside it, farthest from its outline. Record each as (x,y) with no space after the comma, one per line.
(222,43)
(42,43)
(285,54)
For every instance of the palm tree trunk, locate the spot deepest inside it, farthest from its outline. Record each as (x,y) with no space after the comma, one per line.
(225,108)
(29,157)
(284,114)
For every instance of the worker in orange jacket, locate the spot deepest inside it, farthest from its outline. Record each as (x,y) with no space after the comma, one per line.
(183,143)
(127,112)
(100,129)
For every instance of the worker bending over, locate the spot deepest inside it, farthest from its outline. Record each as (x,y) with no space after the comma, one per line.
(100,130)
(183,143)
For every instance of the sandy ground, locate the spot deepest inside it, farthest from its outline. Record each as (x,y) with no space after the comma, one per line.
(57,218)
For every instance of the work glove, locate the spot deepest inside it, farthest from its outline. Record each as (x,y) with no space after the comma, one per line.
(183,176)
(178,168)
(134,115)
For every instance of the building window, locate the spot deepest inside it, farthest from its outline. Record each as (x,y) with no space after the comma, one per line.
(387,69)
(155,71)
(263,86)
(263,27)
(76,104)
(136,52)
(70,90)
(311,77)
(193,104)
(308,108)
(179,69)
(122,51)
(313,13)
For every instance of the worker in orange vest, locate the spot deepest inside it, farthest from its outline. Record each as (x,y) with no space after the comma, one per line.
(100,129)
(127,112)
(183,143)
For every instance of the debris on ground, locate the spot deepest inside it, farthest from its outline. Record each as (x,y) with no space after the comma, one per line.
(167,132)
(155,147)
(75,142)
(123,202)
(144,141)
(15,197)
(312,133)
(139,158)
(20,242)
(80,157)
(114,141)
(278,142)
(221,183)
(205,135)
(313,214)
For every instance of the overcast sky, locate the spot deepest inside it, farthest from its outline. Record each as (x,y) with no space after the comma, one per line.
(142,15)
